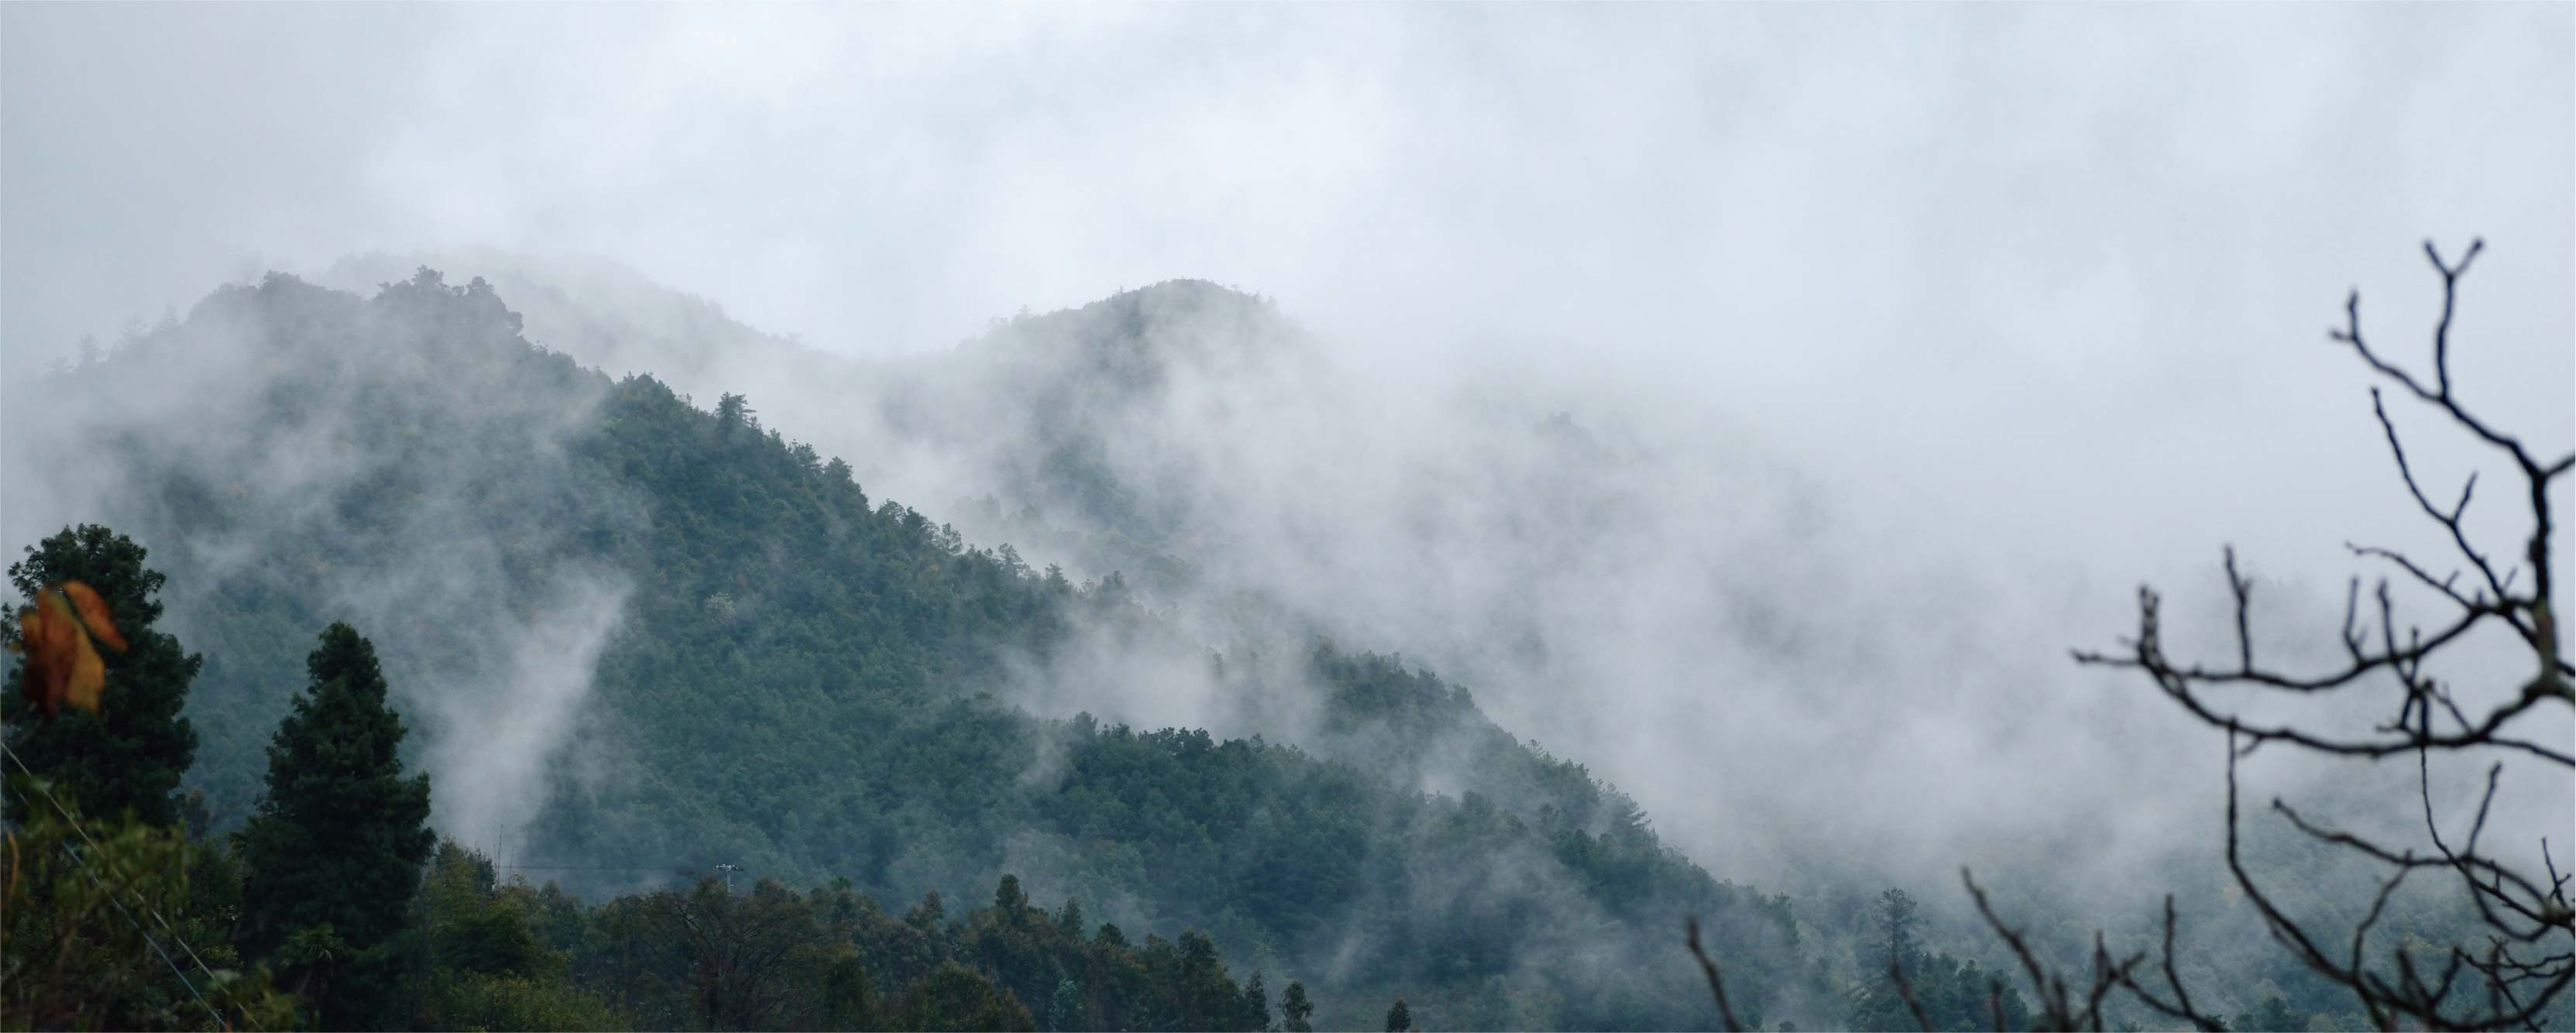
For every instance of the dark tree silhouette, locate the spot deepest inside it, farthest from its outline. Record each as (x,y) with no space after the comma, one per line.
(335,851)
(2518,977)
(1294,1008)
(1398,1017)
(130,755)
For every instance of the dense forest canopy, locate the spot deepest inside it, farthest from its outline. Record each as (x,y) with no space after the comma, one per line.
(1286,517)
(649,641)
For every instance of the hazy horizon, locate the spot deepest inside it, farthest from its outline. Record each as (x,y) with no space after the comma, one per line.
(1912,339)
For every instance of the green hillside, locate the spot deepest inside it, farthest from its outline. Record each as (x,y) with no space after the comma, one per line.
(814,685)
(643,638)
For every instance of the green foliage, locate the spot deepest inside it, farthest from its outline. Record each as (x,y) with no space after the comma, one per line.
(490,967)
(477,1001)
(2275,1014)
(1295,1010)
(772,958)
(959,998)
(849,996)
(800,685)
(131,754)
(1896,919)
(1256,1003)
(1398,1017)
(1954,994)
(116,924)
(334,852)
(803,682)
(1064,1009)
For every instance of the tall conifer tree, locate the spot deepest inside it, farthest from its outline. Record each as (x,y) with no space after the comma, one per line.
(1256,1003)
(336,848)
(131,754)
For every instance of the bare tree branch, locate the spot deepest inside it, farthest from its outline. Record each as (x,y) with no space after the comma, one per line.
(2528,960)
(1716,986)
(1905,991)
(2525,966)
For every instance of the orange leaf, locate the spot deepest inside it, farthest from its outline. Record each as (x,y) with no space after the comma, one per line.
(88,677)
(61,665)
(93,612)
(49,657)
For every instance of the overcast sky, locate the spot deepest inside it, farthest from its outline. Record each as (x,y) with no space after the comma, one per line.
(1938,250)
(2044,286)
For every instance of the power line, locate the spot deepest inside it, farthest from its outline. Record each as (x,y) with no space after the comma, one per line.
(157,916)
(211,1010)
(593,867)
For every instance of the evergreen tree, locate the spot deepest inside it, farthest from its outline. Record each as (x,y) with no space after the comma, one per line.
(1256,1003)
(1009,901)
(959,998)
(1896,920)
(1295,1009)
(733,410)
(1399,1018)
(2275,1014)
(131,754)
(1954,994)
(1065,1012)
(1207,998)
(335,849)
(849,997)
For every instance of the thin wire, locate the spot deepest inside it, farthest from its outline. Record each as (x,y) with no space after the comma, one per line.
(591,868)
(211,1010)
(93,845)
(157,916)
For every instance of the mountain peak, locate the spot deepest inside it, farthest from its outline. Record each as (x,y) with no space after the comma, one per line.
(1140,335)
(1190,293)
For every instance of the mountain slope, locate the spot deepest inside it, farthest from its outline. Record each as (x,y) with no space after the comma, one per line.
(642,637)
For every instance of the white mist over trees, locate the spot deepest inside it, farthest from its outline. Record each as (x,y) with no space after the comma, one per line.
(1700,430)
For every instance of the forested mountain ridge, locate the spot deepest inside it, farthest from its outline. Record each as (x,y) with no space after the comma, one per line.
(642,637)
(1070,417)
(1050,430)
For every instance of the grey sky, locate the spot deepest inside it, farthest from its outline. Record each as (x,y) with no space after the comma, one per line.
(2118,226)
(2043,287)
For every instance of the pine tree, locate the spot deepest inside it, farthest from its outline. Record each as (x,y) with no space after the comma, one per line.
(1065,1012)
(1256,1003)
(733,410)
(1896,920)
(336,848)
(955,997)
(849,997)
(1010,903)
(1399,1018)
(1207,998)
(1294,1009)
(1948,992)
(131,754)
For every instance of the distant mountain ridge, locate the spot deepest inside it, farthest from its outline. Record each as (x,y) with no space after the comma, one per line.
(642,636)
(641,631)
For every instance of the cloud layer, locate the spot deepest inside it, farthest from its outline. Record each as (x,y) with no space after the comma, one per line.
(2034,296)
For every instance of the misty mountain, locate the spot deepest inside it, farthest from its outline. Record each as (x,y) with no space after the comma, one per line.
(1198,442)
(643,637)
(644,633)
(1054,432)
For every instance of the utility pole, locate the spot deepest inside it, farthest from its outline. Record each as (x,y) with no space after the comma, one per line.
(728,869)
